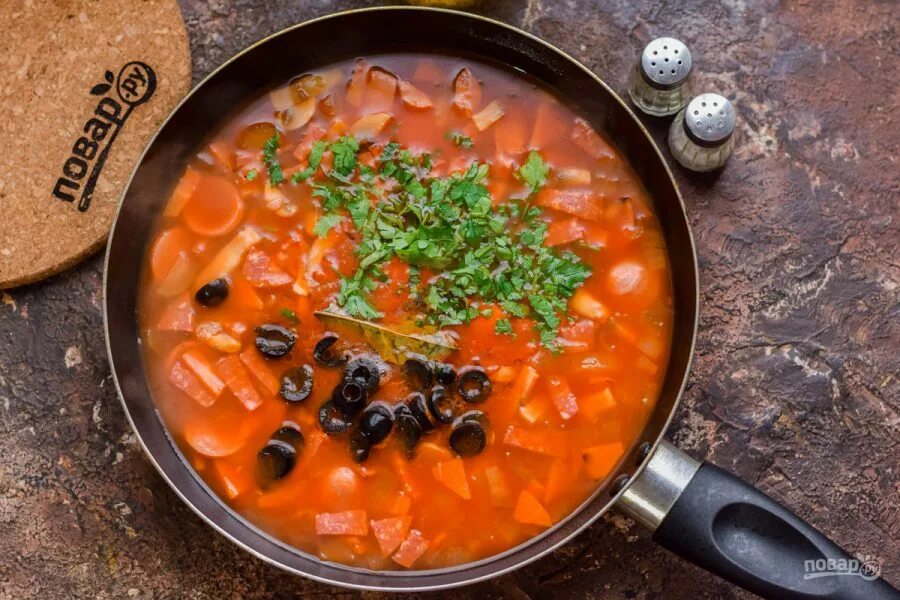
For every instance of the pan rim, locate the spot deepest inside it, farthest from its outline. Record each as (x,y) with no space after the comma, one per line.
(385,577)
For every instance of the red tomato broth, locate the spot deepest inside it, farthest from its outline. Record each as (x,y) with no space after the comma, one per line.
(610,367)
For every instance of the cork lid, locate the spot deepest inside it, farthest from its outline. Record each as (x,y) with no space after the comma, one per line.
(85,83)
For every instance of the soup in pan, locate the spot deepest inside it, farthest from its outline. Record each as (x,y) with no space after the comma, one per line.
(406,311)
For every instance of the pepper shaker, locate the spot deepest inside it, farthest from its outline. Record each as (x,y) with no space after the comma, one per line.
(701,137)
(660,82)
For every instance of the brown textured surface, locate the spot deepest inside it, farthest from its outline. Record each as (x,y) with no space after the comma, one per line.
(795,386)
(53,56)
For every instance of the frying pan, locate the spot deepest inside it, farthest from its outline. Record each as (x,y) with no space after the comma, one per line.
(694,509)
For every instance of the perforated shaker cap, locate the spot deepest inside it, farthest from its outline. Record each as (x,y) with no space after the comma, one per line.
(709,119)
(666,63)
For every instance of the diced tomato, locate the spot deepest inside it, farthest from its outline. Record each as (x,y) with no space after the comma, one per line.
(580,203)
(530,511)
(466,93)
(412,548)
(185,381)
(232,371)
(562,397)
(585,137)
(261,271)
(413,97)
(182,192)
(177,316)
(564,232)
(202,369)
(600,460)
(452,474)
(260,370)
(348,522)
(551,443)
(390,532)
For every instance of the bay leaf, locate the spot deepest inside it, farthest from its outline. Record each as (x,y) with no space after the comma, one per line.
(392,345)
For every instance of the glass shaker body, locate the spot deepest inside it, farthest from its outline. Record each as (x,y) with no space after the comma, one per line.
(660,82)
(701,136)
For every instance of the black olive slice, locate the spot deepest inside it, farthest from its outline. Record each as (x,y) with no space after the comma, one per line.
(440,405)
(275,460)
(213,293)
(473,385)
(297,384)
(408,425)
(364,369)
(419,408)
(332,419)
(360,446)
(349,396)
(468,438)
(290,434)
(444,373)
(472,415)
(274,341)
(418,373)
(376,422)
(323,355)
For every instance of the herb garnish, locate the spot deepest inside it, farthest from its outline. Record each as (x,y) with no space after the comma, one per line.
(251,175)
(482,258)
(270,159)
(290,315)
(458,138)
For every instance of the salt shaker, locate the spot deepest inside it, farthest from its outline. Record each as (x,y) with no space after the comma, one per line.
(701,137)
(660,82)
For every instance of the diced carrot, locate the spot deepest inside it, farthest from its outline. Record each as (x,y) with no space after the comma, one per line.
(564,232)
(369,126)
(243,294)
(234,478)
(466,92)
(215,208)
(412,548)
(167,249)
(600,460)
(202,369)
(626,277)
(348,522)
(185,381)
(390,532)
(585,304)
(524,383)
(487,116)
(260,370)
(214,441)
(593,406)
(261,271)
(232,371)
(498,487)
(548,126)
(229,257)
(530,511)
(559,480)
(177,316)
(452,474)
(580,203)
(413,97)
(562,397)
(551,443)
(183,191)
(504,375)
(585,137)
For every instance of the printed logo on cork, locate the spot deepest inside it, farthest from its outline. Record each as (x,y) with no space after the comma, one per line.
(118,97)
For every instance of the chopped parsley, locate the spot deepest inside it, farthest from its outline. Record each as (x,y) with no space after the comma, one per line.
(457,137)
(479,256)
(251,175)
(290,315)
(270,159)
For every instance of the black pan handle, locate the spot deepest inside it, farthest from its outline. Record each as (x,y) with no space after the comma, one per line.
(732,529)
